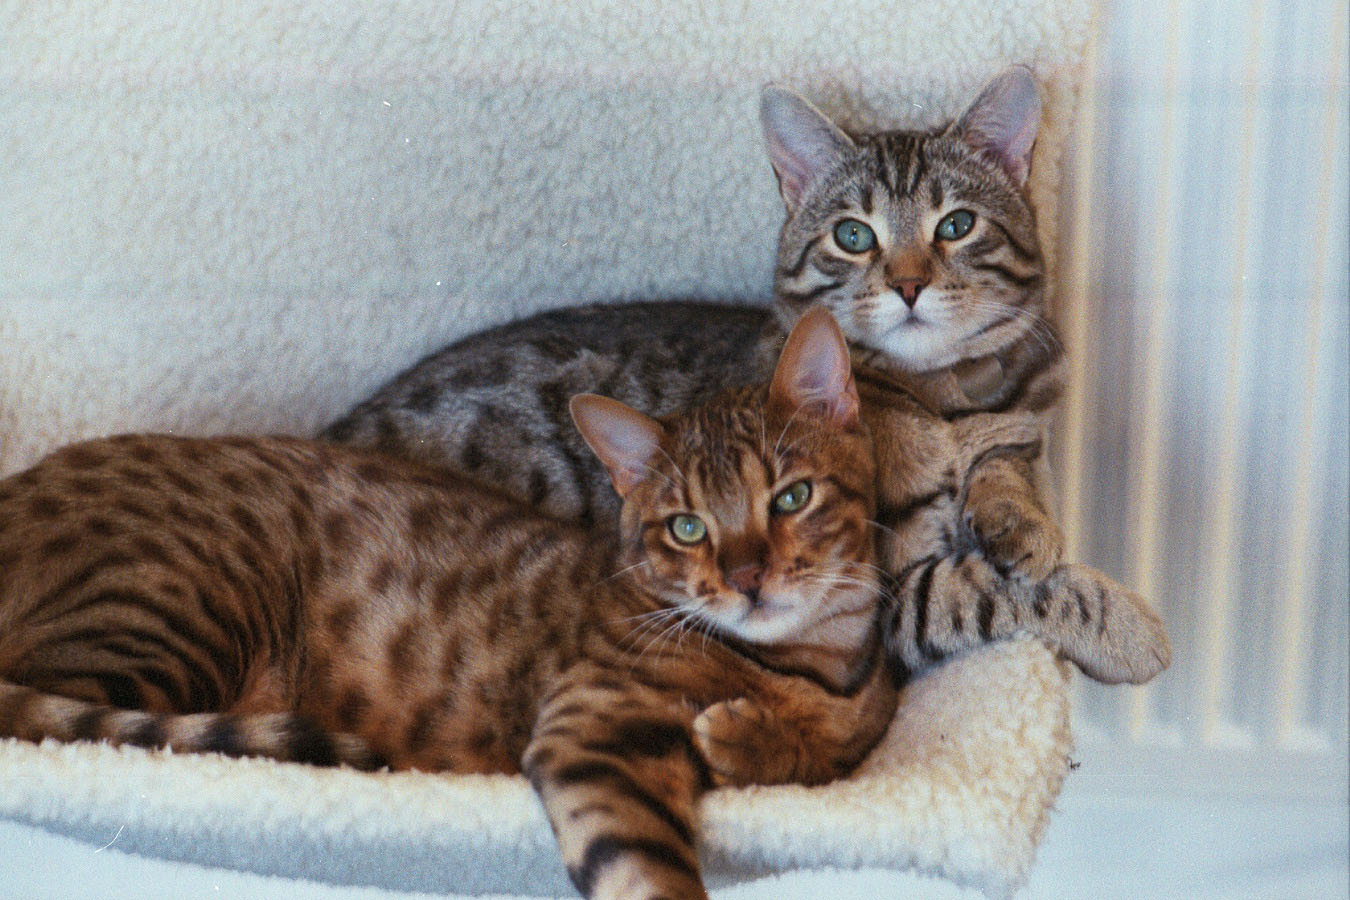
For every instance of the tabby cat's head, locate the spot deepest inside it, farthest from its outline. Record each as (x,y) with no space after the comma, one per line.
(751,514)
(922,244)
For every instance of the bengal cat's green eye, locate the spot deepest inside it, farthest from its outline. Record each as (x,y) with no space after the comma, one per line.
(955,225)
(793,497)
(854,236)
(687,529)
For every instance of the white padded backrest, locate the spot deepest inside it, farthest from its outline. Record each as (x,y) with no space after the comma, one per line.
(247,217)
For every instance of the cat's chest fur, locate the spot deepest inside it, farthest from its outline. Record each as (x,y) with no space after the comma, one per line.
(1024,376)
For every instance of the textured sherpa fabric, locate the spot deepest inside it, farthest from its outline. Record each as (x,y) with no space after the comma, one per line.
(243,216)
(960,787)
(246,217)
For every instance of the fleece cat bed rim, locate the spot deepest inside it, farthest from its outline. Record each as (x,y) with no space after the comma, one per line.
(990,779)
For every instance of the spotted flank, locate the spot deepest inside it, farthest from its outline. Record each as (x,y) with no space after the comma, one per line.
(326,605)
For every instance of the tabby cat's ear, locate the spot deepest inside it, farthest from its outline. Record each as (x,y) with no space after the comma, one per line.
(623,438)
(803,143)
(814,368)
(1003,121)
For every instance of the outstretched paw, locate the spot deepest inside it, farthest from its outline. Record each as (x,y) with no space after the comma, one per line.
(742,743)
(1112,633)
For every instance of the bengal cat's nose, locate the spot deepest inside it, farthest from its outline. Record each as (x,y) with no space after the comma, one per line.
(748,579)
(908,289)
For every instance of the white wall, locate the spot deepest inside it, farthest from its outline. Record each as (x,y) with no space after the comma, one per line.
(1204,458)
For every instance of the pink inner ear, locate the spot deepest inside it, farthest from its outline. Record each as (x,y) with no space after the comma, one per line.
(1004,120)
(815,368)
(802,142)
(624,439)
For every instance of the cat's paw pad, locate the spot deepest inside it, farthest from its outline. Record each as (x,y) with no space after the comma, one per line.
(1018,539)
(735,737)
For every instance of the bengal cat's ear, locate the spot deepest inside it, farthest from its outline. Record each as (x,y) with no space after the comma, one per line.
(1003,121)
(623,438)
(814,367)
(803,143)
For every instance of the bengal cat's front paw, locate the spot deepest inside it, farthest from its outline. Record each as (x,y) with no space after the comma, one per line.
(742,744)
(1018,538)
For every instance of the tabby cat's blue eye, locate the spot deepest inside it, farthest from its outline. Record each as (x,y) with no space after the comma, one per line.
(793,497)
(854,236)
(955,225)
(687,529)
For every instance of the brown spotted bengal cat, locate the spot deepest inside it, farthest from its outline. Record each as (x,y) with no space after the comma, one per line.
(303,601)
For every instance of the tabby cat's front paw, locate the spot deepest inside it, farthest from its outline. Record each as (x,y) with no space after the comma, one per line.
(1018,539)
(1110,632)
(742,743)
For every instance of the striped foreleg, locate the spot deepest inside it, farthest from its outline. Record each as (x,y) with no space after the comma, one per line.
(618,778)
(1004,512)
(946,604)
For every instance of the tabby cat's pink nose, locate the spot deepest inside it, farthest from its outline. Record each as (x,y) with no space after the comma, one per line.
(909,289)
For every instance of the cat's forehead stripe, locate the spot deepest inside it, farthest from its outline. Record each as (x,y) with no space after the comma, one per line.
(720,450)
(901,163)
(935,195)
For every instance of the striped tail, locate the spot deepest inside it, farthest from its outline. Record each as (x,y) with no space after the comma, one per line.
(32,715)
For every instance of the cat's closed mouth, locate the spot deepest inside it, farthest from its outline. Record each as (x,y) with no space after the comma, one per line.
(764,608)
(911,323)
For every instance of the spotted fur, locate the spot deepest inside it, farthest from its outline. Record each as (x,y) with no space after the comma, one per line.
(308,602)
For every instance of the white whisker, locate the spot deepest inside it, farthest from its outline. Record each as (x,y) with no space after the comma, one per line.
(683,479)
(779,451)
(1037,326)
(672,624)
(659,620)
(652,470)
(884,528)
(627,569)
(831,580)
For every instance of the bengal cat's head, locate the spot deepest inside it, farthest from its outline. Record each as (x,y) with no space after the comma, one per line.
(751,514)
(922,244)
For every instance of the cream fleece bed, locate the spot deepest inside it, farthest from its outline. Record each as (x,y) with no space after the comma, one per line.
(960,787)
(245,217)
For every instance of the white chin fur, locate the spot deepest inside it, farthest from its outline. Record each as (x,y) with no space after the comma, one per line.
(931,342)
(790,616)
(918,347)
(765,625)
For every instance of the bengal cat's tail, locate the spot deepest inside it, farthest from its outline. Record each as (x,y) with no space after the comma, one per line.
(33,715)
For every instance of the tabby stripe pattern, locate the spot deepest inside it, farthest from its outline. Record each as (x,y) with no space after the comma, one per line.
(949,604)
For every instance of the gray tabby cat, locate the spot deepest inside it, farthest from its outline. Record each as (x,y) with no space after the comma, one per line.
(924,247)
